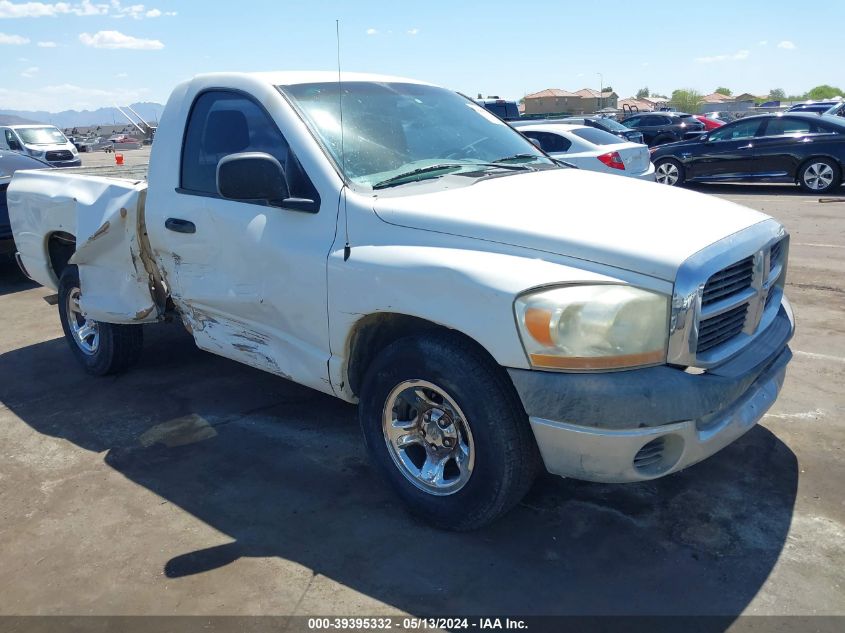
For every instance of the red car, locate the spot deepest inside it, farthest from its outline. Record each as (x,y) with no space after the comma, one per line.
(709,124)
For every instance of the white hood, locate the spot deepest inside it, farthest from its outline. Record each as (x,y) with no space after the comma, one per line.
(639,226)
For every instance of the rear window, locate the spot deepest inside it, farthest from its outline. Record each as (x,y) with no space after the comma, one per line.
(551,143)
(610,124)
(596,136)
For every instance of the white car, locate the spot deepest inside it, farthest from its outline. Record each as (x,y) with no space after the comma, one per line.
(592,149)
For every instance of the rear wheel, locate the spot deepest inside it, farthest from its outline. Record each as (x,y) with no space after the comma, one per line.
(446,429)
(668,171)
(819,175)
(101,348)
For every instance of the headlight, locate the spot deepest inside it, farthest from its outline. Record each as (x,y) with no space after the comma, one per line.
(73,150)
(593,327)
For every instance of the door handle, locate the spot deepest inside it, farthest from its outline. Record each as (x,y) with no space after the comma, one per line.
(749,146)
(180,226)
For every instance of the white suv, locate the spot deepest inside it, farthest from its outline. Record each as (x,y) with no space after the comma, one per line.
(44,142)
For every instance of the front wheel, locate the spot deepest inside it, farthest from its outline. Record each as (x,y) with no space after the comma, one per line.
(669,172)
(101,348)
(819,175)
(444,426)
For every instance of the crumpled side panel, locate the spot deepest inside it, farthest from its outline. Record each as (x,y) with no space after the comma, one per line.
(116,284)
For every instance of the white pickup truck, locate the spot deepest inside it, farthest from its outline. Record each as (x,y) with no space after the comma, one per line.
(393,244)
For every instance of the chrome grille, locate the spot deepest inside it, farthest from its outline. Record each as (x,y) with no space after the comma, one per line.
(720,328)
(775,270)
(59,154)
(728,281)
(775,254)
(726,294)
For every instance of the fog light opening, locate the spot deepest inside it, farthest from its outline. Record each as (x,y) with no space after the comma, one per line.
(659,455)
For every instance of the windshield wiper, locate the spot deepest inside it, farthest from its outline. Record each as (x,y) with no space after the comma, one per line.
(517,157)
(399,178)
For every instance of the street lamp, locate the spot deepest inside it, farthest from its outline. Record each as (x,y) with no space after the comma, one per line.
(601,91)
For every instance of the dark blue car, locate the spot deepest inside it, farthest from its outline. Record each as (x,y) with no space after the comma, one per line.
(10,162)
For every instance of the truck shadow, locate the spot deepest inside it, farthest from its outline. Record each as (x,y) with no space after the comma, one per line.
(281,470)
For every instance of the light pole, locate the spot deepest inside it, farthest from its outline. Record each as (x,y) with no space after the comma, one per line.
(601,91)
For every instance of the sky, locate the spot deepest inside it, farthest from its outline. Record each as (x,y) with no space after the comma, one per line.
(87,54)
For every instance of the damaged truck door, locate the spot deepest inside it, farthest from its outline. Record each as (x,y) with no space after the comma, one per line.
(248,276)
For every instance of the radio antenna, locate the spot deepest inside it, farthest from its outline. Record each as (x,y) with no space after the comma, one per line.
(347,250)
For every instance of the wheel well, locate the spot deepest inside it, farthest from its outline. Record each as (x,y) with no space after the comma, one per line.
(60,248)
(375,332)
(838,164)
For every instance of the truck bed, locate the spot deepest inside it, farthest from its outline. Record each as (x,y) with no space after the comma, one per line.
(129,172)
(100,211)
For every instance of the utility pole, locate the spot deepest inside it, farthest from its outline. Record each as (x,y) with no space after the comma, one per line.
(601,91)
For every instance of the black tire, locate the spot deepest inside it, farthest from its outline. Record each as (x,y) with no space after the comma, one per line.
(665,169)
(506,458)
(112,350)
(812,175)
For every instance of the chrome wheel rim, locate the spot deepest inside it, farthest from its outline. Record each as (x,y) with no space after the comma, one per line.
(86,333)
(818,176)
(428,437)
(667,174)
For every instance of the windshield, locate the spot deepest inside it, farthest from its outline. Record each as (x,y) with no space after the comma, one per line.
(41,135)
(391,129)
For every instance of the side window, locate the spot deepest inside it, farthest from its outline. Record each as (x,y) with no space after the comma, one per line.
(633,121)
(651,121)
(736,131)
(8,139)
(781,126)
(223,123)
(550,142)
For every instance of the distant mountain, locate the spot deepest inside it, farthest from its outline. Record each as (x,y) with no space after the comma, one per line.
(11,119)
(74,118)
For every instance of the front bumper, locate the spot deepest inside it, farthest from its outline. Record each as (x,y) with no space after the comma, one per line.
(647,175)
(76,162)
(646,423)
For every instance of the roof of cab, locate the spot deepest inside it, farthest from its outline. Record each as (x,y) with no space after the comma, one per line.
(292,77)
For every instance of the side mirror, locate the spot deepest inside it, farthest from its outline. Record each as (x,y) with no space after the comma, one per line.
(251,176)
(259,176)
